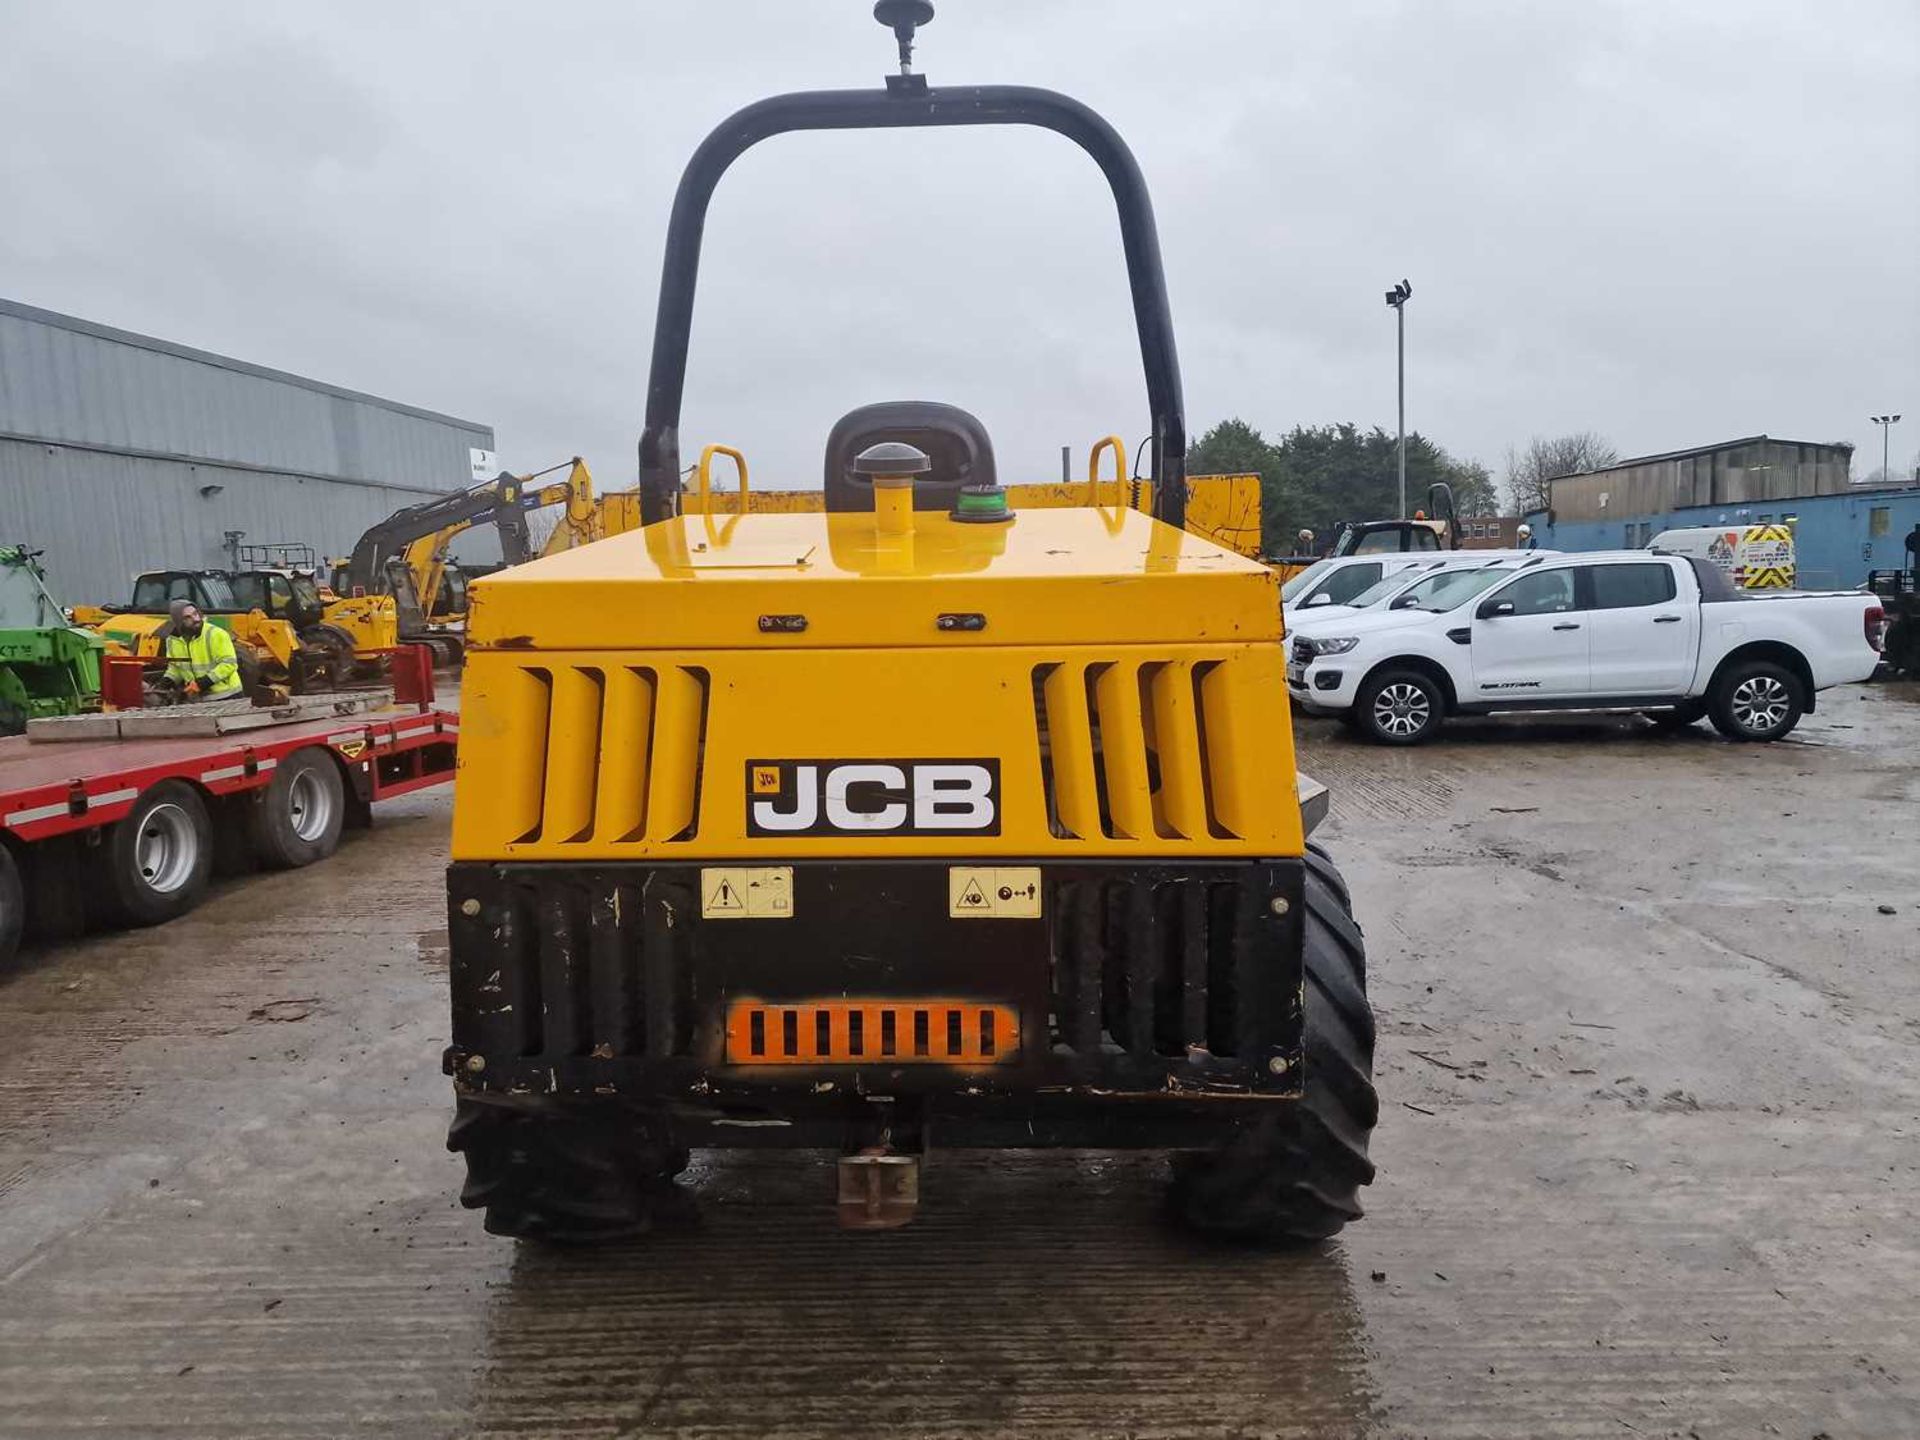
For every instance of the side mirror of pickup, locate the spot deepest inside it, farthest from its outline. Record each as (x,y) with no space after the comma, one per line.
(1494,609)
(1323,598)
(1404,602)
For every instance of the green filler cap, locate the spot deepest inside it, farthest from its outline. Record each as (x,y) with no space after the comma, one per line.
(982,505)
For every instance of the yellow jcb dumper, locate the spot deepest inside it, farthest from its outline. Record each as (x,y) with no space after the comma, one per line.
(1224,508)
(922,816)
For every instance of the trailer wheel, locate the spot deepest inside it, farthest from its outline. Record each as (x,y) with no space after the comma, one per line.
(13,907)
(1296,1176)
(296,820)
(154,864)
(1756,700)
(556,1179)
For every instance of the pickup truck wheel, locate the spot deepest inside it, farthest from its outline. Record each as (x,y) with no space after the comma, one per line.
(1296,1176)
(154,864)
(1399,707)
(1756,700)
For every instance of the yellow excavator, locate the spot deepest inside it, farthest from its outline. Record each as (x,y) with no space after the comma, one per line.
(408,554)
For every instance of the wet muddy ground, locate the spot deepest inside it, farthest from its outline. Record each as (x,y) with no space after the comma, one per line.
(1649,1160)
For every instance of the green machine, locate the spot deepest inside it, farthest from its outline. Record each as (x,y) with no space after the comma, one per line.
(47,666)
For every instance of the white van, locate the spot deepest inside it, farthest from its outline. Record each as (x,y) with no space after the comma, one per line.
(1753,557)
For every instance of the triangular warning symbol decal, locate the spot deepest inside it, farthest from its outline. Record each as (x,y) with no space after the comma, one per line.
(973,895)
(725,897)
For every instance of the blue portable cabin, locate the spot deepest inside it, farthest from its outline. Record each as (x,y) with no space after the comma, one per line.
(1841,531)
(1837,539)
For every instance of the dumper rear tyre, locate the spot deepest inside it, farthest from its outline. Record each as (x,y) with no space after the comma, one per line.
(1295,1177)
(554,1179)
(13,907)
(296,820)
(153,865)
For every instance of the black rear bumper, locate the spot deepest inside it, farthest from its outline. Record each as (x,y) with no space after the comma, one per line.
(1155,1001)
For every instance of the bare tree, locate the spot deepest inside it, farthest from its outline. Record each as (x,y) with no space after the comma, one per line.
(1529,470)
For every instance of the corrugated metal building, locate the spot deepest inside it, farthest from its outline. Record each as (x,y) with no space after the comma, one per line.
(1730,473)
(1837,539)
(119,453)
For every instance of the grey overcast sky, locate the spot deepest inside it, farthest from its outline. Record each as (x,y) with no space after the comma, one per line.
(1669,221)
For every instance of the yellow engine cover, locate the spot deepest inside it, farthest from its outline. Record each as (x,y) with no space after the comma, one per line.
(372,620)
(1074,682)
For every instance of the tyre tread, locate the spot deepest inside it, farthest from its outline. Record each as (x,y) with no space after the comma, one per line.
(119,898)
(1720,701)
(1363,706)
(552,1179)
(1297,1176)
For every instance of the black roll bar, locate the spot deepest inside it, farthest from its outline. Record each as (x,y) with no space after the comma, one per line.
(902,105)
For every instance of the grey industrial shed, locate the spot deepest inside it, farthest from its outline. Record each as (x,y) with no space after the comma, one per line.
(1755,468)
(119,452)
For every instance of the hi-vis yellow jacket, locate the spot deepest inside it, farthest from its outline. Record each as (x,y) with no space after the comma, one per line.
(209,658)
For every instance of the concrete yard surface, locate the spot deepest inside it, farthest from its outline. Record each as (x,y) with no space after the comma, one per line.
(1649,1159)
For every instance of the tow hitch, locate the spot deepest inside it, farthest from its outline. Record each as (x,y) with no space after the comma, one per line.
(879,1190)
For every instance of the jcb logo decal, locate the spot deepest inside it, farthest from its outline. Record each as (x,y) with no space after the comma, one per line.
(873,797)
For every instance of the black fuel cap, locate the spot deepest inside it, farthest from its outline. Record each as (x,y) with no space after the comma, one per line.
(891,457)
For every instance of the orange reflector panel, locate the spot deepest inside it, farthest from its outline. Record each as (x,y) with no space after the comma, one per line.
(871,1032)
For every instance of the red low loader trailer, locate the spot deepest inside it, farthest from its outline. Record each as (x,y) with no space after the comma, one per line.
(128,831)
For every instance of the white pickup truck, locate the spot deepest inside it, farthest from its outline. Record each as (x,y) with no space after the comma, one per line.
(1617,630)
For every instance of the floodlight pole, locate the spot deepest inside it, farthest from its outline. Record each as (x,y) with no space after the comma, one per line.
(1886,424)
(1397,298)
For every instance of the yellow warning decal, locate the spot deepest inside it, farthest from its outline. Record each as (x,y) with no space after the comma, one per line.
(746,892)
(993,892)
